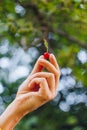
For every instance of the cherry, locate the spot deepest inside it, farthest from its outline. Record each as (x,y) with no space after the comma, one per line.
(46,55)
(41,68)
(35,88)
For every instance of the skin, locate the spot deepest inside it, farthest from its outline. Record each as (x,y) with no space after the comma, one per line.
(28,100)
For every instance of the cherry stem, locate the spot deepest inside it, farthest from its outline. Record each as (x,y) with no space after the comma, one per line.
(46,44)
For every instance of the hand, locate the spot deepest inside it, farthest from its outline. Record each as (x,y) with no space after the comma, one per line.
(30,96)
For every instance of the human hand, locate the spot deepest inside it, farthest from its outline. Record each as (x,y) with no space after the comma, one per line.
(30,96)
(40,87)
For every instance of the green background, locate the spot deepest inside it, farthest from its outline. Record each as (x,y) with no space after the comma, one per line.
(63,23)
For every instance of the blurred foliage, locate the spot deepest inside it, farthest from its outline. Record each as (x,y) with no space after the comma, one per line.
(23,26)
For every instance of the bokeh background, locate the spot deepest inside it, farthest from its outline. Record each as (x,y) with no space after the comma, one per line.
(23,26)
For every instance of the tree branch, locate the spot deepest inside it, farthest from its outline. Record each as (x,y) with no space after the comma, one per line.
(46,28)
(71,38)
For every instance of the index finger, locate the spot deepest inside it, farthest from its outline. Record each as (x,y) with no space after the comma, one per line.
(37,66)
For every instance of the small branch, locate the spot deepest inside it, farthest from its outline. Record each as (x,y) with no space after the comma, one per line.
(72,39)
(38,40)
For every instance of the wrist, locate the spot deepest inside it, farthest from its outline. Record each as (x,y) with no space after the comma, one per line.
(10,117)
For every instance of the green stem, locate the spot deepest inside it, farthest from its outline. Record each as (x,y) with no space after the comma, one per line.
(46,44)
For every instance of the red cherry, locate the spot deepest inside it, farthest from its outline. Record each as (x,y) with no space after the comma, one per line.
(46,55)
(35,88)
(41,68)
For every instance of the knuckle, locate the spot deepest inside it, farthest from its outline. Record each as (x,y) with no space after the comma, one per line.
(49,97)
(57,74)
(40,60)
(43,79)
(54,95)
(51,76)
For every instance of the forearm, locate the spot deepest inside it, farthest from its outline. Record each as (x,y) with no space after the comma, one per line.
(10,117)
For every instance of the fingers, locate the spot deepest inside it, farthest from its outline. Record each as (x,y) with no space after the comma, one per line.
(46,64)
(49,77)
(43,87)
(50,65)
(37,67)
(39,87)
(34,99)
(53,61)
